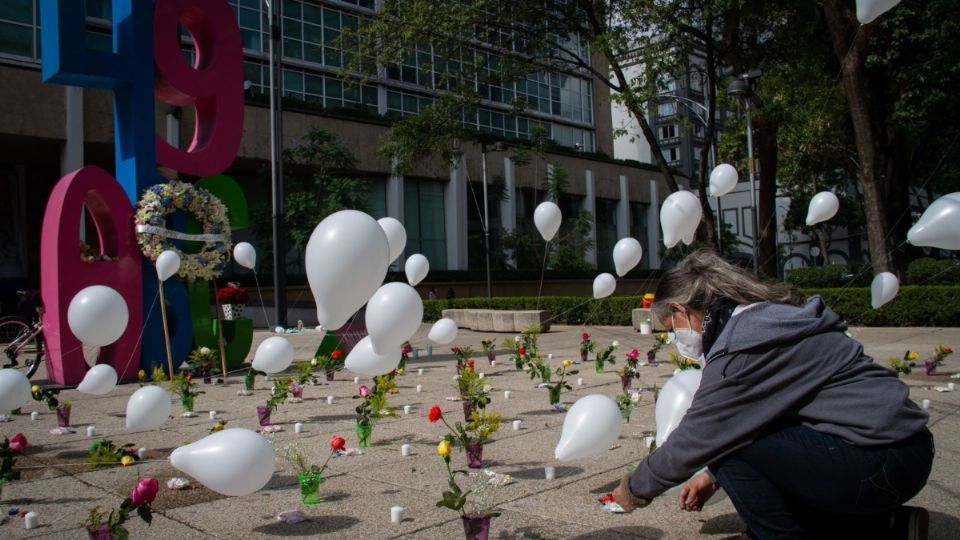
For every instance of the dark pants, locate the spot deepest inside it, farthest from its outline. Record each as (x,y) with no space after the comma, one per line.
(795,482)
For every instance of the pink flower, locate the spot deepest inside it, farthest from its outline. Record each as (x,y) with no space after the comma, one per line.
(584,336)
(18,443)
(145,492)
(634,354)
(364,391)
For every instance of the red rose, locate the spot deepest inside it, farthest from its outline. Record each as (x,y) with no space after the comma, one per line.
(522,350)
(435,413)
(608,498)
(336,354)
(189,378)
(471,365)
(145,492)
(584,336)
(948,350)
(455,350)
(338,442)
(18,443)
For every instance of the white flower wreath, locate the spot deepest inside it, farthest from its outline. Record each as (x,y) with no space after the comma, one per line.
(158,202)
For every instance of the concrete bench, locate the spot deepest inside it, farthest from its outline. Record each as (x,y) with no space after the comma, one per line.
(640,314)
(502,321)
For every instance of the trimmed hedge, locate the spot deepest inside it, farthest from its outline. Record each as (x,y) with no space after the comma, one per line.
(927,271)
(831,275)
(914,306)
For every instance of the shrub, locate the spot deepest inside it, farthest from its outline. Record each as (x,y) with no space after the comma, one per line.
(927,271)
(831,275)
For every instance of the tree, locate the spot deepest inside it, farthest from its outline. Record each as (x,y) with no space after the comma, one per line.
(899,77)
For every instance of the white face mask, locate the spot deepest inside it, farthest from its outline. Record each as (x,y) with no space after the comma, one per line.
(689,342)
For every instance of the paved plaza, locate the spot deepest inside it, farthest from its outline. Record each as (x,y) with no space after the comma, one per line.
(360,491)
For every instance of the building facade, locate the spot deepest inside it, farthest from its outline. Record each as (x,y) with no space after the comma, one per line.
(48,130)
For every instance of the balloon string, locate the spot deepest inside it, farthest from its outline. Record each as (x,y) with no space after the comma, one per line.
(266,320)
(543,270)
(142,330)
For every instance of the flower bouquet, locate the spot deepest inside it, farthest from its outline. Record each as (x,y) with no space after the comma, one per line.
(661,339)
(103,453)
(183,387)
(48,395)
(605,356)
(476,521)
(309,476)
(232,299)
(9,449)
(462,354)
(682,362)
(470,435)
(249,380)
(330,364)
(626,402)
(373,407)
(489,348)
(939,353)
(63,413)
(540,369)
(279,394)
(203,362)
(904,365)
(586,346)
(473,390)
(100,526)
(405,350)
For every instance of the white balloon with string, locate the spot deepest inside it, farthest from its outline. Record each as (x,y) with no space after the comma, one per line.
(679,217)
(939,225)
(823,206)
(627,253)
(604,285)
(547,217)
(416,268)
(723,178)
(869,10)
(396,236)
(245,255)
(883,289)
(168,264)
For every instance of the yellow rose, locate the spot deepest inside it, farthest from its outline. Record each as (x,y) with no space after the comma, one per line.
(443,449)
(35,389)
(567,363)
(914,355)
(141,374)
(127,460)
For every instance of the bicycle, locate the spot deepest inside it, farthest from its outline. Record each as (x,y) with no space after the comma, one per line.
(21,342)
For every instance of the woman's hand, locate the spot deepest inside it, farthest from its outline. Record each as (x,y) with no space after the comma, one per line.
(696,492)
(627,500)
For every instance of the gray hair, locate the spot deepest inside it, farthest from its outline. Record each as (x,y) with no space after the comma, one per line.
(703,277)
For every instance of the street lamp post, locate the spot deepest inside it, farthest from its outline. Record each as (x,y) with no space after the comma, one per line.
(740,87)
(486,217)
(276,168)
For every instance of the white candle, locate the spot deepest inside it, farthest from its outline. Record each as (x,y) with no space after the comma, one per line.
(395,512)
(493,363)
(356,380)
(405,450)
(34,415)
(516,425)
(329,400)
(419,388)
(579,381)
(31,520)
(91,431)
(506,394)
(298,427)
(549,356)
(420,372)
(142,453)
(213,415)
(481,375)
(925,404)
(951,386)
(406,409)
(550,472)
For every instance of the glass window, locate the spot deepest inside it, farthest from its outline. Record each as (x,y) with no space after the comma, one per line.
(424,220)
(17,28)
(671,154)
(668,108)
(668,131)
(638,229)
(605,222)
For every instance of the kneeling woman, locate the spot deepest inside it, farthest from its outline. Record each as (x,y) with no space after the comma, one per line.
(806,434)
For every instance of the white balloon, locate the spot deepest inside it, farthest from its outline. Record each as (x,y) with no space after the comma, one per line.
(14,390)
(443,332)
(394,314)
(679,217)
(147,408)
(232,462)
(98,315)
(868,10)
(417,267)
(939,226)
(823,206)
(674,400)
(547,218)
(723,178)
(604,285)
(346,260)
(396,236)
(99,381)
(883,289)
(168,264)
(245,255)
(592,426)
(627,253)
(274,355)
(363,360)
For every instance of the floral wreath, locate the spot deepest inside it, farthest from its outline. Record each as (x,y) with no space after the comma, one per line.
(161,200)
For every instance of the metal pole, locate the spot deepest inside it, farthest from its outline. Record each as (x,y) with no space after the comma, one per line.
(276,169)
(486,217)
(753,195)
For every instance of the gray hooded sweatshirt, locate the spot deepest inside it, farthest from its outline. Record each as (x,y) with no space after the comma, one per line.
(775,363)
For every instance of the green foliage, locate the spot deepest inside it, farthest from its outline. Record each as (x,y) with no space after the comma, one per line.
(281,389)
(304,373)
(831,275)
(103,453)
(927,271)
(182,385)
